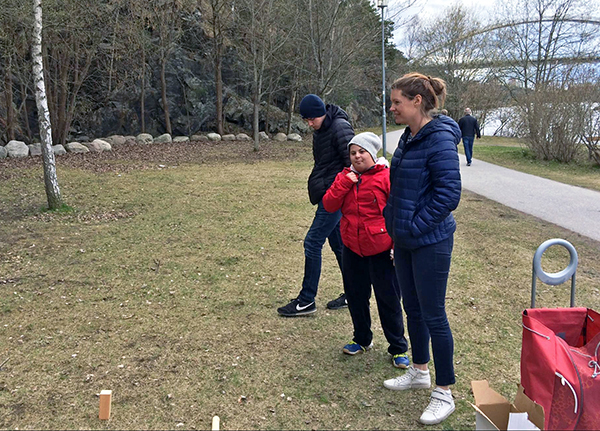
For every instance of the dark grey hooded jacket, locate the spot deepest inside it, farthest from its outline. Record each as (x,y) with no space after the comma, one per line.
(330,151)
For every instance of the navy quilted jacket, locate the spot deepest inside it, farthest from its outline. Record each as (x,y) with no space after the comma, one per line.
(330,151)
(425,185)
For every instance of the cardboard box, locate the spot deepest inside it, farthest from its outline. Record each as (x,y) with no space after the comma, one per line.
(494,412)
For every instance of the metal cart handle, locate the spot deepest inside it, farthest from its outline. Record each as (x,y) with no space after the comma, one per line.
(556,277)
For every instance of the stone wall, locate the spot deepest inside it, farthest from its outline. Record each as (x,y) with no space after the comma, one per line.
(17,149)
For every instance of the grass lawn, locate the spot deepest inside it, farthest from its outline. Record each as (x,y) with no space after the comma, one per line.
(511,153)
(162,286)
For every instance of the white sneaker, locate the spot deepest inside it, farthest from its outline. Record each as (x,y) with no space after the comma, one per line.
(441,405)
(412,379)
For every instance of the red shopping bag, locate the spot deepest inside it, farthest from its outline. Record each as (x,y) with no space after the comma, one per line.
(559,365)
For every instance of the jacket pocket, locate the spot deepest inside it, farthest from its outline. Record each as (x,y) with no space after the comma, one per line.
(378,238)
(375,230)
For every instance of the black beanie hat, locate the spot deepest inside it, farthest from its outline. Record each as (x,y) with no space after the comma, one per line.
(312,106)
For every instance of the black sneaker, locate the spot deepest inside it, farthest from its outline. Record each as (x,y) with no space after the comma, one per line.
(297,308)
(338,303)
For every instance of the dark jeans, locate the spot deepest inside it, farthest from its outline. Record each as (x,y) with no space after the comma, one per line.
(359,274)
(423,277)
(325,226)
(468,144)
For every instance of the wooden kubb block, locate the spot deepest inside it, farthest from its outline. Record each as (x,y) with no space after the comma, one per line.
(105,401)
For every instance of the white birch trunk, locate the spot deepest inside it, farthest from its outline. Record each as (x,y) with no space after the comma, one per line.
(48,161)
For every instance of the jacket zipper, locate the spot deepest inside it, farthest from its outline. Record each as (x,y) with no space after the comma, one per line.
(358,213)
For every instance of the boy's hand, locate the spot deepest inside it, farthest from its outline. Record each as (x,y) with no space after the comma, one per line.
(352,177)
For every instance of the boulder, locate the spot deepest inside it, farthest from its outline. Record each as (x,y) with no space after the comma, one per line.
(116,140)
(17,149)
(228,137)
(3,152)
(76,147)
(165,138)
(144,138)
(294,137)
(103,144)
(263,136)
(181,139)
(130,140)
(213,137)
(98,145)
(93,146)
(280,137)
(242,137)
(199,138)
(35,149)
(59,150)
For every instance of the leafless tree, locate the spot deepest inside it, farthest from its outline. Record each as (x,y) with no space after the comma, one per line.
(15,50)
(218,21)
(444,46)
(541,52)
(262,38)
(50,178)
(589,134)
(482,96)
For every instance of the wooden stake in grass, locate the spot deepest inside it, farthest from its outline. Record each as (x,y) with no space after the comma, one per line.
(215,424)
(105,400)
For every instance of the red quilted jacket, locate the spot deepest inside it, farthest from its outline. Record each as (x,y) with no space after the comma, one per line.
(362,226)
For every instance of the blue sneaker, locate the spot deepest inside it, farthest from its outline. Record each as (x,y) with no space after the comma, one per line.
(353,348)
(401,360)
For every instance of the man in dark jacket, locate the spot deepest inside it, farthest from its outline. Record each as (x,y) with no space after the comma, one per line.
(332,132)
(469,127)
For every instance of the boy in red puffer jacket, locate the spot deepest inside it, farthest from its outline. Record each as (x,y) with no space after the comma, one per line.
(361,192)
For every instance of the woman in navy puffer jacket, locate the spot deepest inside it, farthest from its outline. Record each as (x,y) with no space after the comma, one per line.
(425,189)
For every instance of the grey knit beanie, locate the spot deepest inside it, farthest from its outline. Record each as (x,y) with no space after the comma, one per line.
(369,141)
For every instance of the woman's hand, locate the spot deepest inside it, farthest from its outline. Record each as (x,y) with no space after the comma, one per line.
(352,177)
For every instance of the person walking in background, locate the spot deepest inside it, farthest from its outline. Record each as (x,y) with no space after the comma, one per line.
(361,192)
(425,188)
(332,132)
(469,128)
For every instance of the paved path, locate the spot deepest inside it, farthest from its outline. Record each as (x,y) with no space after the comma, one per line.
(571,207)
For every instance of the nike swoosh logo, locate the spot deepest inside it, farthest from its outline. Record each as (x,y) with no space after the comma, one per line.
(298,308)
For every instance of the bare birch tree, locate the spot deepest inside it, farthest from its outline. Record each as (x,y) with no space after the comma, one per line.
(48,161)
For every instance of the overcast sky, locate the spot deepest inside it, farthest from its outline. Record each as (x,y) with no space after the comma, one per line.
(434,8)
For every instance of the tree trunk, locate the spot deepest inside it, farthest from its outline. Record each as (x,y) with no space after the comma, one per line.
(267,112)
(291,109)
(24,112)
(163,84)
(60,127)
(143,92)
(255,114)
(8,91)
(219,87)
(48,161)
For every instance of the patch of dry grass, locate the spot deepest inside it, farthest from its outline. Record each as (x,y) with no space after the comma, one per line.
(163,285)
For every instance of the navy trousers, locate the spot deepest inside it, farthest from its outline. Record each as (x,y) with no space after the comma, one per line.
(360,273)
(325,226)
(423,277)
